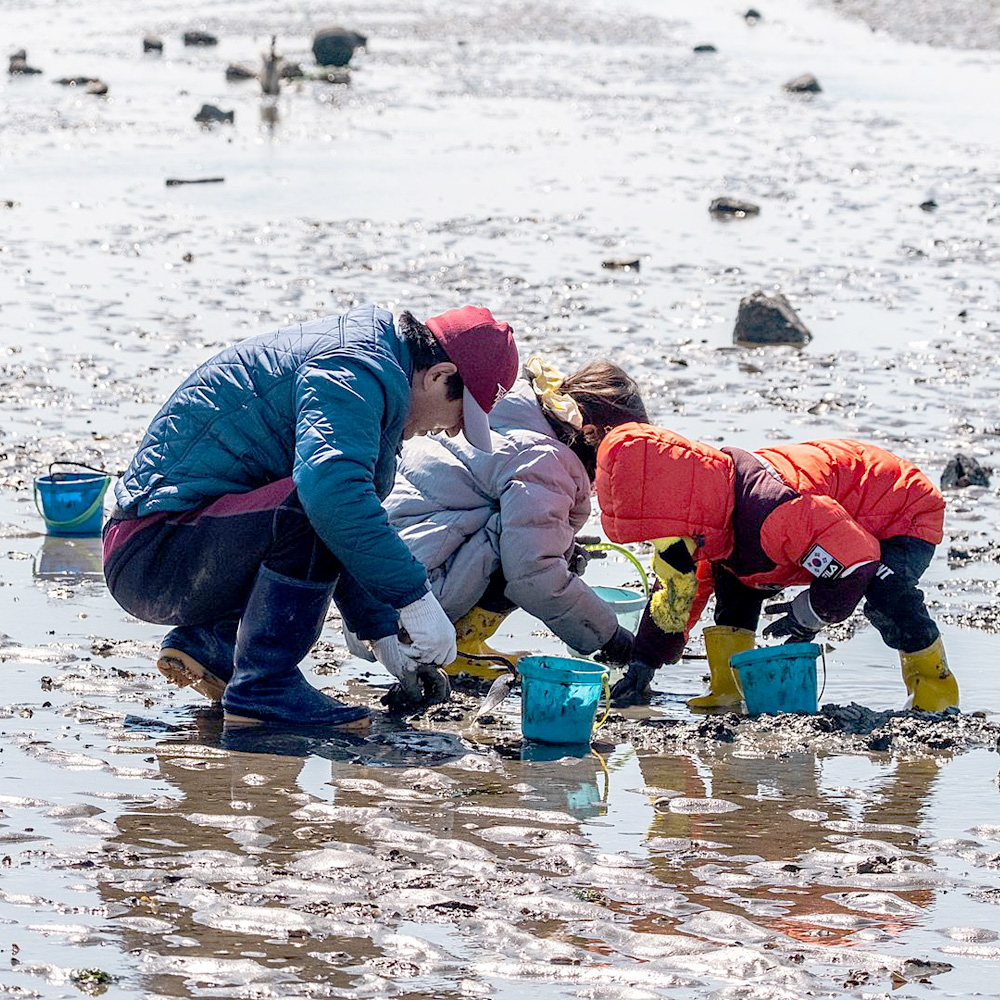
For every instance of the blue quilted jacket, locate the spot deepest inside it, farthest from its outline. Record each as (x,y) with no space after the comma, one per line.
(324,402)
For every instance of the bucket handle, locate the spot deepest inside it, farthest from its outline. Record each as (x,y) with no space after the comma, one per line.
(498,658)
(611,547)
(79,519)
(606,687)
(822,656)
(79,465)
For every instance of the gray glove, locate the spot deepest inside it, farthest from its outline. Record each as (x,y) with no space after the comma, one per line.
(799,622)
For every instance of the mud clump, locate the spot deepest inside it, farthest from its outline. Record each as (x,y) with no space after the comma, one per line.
(835,728)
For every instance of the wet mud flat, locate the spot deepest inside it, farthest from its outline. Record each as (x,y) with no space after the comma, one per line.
(147,851)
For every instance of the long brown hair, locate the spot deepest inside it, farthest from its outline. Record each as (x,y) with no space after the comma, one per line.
(607,396)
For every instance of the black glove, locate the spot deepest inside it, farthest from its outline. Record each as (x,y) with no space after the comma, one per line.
(433,688)
(633,688)
(799,622)
(617,651)
(579,556)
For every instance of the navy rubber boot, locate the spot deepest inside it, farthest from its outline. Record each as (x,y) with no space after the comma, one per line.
(200,656)
(281,622)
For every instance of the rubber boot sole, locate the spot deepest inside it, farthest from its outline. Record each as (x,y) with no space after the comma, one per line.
(354,726)
(709,703)
(183,670)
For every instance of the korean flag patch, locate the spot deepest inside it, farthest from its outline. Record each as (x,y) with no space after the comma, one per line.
(821,564)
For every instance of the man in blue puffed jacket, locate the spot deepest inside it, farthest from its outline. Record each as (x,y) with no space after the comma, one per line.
(255,497)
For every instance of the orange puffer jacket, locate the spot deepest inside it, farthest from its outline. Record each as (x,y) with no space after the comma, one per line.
(792,514)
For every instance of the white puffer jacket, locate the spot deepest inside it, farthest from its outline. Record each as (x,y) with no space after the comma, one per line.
(464,513)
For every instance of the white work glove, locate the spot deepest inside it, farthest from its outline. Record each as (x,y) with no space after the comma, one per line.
(389,652)
(357,647)
(432,635)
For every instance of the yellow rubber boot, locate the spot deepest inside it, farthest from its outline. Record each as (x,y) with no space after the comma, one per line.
(930,684)
(721,641)
(471,632)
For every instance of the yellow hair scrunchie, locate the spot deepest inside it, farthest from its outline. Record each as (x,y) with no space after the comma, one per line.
(547,380)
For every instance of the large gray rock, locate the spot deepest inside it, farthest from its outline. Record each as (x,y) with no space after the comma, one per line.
(768,319)
(962,471)
(334,45)
(805,84)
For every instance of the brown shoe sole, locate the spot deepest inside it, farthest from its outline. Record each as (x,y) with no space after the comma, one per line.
(354,726)
(182,670)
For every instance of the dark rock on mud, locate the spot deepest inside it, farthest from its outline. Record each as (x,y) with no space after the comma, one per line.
(752,16)
(768,319)
(334,45)
(152,43)
(631,264)
(733,207)
(835,728)
(200,38)
(19,65)
(705,48)
(929,205)
(291,71)
(962,471)
(76,81)
(210,113)
(804,84)
(237,72)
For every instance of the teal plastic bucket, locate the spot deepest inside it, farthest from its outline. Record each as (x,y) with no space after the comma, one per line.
(627,605)
(559,698)
(72,503)
(778,678)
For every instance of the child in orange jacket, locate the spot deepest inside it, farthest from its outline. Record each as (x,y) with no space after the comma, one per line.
(849,519)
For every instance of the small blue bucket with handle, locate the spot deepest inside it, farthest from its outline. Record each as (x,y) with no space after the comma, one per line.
(559,698)
(627,605)
(776,679)
(72,503)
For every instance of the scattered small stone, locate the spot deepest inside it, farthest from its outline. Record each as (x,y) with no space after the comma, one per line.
(175,181)
(7,203)
(705,48)
(19,65)
(199,38)
(631,264)
(733,207)
(804,84)
(270,73)
(339,76)
(237,72)
(752,16)
(334,45)
(292,71)
(929,205)
(962,471)
(76,81)
(768,319)
(211,113)
(152,43)
(97,87)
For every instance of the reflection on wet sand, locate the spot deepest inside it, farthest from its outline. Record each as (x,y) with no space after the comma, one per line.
(787,856)
(280,860)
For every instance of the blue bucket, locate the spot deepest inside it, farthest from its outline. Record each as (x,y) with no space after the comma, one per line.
(72,503)
(778,678)
(559,698)
(627,605)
